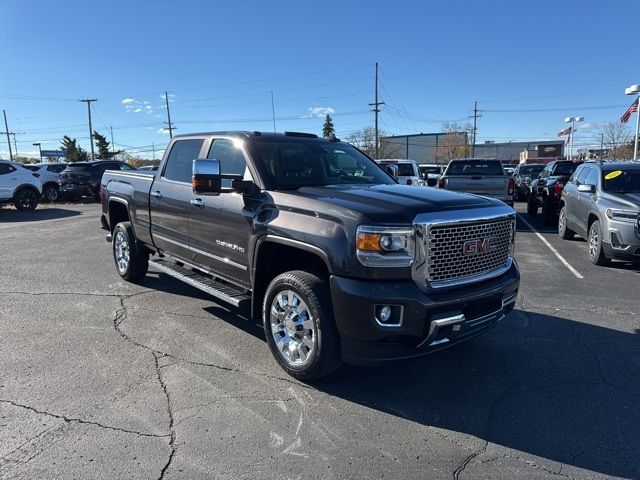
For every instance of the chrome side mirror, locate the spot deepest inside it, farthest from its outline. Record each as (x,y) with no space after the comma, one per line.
(586,188)
(206,178)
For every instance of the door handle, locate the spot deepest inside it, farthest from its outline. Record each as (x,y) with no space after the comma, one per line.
(156,194)
(197,202)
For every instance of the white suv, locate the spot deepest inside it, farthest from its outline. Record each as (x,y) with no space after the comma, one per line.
(408,173)
(19,186)
(49,174)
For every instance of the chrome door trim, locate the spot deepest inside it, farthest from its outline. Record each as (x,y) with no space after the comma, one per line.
(202,252)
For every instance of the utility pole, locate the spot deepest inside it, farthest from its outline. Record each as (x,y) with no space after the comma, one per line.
(6,130)
(153,149)
(113,146)
(166,101)
(273,112)
(475,128)
(88,102)
(15,144)
(376,110)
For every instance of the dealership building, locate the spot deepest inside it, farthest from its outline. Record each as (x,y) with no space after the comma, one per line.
(422,147)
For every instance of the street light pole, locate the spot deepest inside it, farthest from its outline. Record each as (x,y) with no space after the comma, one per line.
(635,90)
(572,121)
(39,145)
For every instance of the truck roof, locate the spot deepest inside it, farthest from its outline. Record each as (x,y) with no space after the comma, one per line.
(257,134)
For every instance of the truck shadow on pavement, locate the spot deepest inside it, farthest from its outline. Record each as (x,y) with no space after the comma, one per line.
(543,385)
(39,214)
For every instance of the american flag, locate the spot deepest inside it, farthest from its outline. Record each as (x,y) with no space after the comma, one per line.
(627,115)
(564,132)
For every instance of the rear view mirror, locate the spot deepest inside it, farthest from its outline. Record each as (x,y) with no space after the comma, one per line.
(206,178)
(392,170)
(586,188)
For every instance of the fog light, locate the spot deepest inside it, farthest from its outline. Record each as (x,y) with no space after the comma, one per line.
(385,313)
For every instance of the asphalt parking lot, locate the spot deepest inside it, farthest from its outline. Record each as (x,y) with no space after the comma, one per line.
(104,379)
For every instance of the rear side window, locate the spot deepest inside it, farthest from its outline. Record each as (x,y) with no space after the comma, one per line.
(179,164)
(5,168)
(565,168)
(475,168)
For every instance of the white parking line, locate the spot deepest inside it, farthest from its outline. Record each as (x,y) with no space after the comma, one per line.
(544,240)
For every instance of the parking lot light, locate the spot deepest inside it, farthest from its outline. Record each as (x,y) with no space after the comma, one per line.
(635,90)
(572,121)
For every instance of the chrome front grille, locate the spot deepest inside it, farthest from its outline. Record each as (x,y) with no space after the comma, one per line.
(457,253)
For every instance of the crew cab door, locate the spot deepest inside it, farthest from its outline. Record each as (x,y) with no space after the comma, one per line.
(170,195)
(221,225)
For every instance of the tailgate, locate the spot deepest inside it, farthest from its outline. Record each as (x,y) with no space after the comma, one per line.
(490,185)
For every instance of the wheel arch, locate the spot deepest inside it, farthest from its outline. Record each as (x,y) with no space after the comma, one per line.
(275,255)
(118,211)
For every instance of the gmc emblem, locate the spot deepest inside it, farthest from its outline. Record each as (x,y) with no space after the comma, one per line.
(479,245)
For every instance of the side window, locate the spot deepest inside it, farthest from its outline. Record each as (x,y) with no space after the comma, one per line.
(592,178)
(545,172)
(232,161)
(125,166)
(582,175)
(179,165)
(575,175)
(5,168)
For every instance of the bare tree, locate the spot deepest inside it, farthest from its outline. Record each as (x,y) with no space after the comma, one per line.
(454,143)
(616,138)
(365,140)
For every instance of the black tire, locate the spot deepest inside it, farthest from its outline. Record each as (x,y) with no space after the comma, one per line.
(532,206)
(325,357)
(594,245)
(564,231)
(50,193)
(26,199)
(137,260)
(548,212)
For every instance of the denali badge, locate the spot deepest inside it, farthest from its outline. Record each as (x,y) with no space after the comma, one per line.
(479,245)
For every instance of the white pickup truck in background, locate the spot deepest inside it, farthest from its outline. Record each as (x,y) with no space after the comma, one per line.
(481,176)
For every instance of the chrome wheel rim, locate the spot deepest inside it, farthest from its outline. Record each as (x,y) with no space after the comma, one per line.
(292,328)
(121,252)
(594,242)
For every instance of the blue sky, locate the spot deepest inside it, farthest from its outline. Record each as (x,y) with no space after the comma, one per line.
(220,61)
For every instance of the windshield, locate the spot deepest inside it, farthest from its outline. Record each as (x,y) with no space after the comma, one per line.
(435,170)
(299,163)
(565,168)
(531,169)
(475,168)
(621,181)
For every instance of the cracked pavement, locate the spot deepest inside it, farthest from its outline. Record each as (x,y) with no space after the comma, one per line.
(104,379)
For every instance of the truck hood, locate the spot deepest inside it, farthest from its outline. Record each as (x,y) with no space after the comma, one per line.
(393,204)
(628,201)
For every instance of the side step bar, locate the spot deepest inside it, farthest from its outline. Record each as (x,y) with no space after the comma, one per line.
(212,286)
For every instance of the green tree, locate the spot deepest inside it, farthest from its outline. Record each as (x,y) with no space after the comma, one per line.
(72,152)
(103,146)
(327,128)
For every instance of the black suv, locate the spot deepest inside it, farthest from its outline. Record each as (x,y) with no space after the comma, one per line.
(523,175)
(83,178)
(546,190)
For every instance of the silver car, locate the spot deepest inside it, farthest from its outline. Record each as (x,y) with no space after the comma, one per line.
(601,203)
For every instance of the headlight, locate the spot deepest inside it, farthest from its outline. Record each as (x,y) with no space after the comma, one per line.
(621,215)
(385,246)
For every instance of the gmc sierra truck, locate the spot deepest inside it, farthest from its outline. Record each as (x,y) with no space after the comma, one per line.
(338,261)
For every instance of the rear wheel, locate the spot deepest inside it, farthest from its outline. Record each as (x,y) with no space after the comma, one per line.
(564,231)
(50,193)
(299,325)
(596,252)
(26,198)
(532,206)
(132,263)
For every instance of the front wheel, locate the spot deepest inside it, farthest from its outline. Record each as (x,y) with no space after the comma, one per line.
(131,263)
(26,199)
(564,231)
(596,252)
(299,325)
